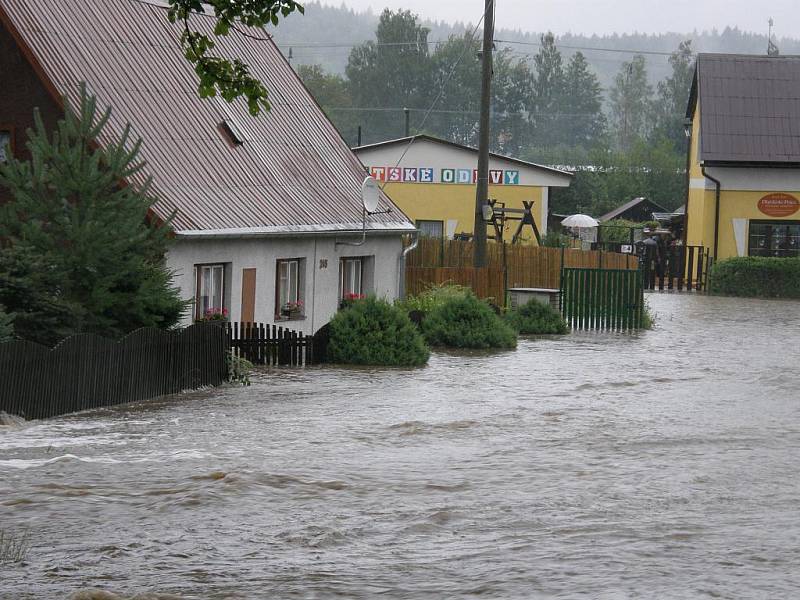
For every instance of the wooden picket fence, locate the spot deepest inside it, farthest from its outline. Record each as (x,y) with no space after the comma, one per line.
(437,261)
(88,371)
(270,345)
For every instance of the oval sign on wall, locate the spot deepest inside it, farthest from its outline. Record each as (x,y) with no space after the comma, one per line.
(779,205)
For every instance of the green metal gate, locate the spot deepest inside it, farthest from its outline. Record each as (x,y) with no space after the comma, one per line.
(605,299)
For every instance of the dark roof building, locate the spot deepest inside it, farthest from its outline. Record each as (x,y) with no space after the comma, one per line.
(291,172)
(749,108)
(744,155)
(638,210)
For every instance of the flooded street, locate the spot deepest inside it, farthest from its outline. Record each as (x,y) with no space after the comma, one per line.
(661,465)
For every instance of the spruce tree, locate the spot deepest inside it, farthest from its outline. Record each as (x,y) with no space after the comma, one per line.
(585,123)
(82,252)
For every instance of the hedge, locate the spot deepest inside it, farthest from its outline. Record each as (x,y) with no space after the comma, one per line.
(373,332)
(756,277)
(467,322)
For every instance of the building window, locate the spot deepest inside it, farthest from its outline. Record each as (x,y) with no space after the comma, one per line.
(434,229)
(6,145)
(209,291)
(289,288)
(351,276)
(774,238)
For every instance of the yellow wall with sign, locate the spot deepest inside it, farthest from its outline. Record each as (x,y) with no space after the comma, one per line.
(443,202)
(741,205)
(734,204)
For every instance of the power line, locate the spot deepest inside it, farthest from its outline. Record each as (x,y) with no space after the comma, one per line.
(594,49)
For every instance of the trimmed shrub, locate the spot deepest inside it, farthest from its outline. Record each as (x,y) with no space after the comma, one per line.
(434,296)
(466,322)
(756,277)
(536,318)
(373,332)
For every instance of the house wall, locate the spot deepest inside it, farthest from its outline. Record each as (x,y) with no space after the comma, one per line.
(455,202)
(23,91)
(321,288)
(740,191)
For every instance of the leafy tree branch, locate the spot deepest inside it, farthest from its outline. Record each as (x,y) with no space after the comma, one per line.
(230,78)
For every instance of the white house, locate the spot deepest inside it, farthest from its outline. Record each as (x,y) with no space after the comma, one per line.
(267,211)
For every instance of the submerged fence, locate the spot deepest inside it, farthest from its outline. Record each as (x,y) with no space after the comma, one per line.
(88,371)
(602,299)
(271,345)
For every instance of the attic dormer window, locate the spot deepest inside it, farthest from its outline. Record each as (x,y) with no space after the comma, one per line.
(233,131)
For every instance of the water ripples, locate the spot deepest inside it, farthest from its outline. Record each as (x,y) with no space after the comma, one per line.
(661,465)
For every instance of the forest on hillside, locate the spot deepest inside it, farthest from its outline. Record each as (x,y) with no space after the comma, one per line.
(622,139)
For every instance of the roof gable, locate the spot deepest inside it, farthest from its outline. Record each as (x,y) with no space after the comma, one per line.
(749,108)
(402,143)
(294,171)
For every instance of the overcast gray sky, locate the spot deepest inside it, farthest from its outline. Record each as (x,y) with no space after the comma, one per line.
(607,16)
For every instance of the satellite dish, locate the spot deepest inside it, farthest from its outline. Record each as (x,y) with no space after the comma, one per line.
(370,194)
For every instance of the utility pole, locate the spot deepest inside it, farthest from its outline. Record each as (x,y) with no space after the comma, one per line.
(482,191)
(407,111)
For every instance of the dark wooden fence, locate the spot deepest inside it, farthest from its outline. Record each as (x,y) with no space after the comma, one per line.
(271,345)
(679,268)
(88,371)
(603,299)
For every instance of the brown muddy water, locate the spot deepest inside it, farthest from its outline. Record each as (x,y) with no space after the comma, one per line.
(659,465)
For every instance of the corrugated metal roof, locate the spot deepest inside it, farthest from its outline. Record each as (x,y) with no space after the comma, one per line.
(294,170)
(749,108)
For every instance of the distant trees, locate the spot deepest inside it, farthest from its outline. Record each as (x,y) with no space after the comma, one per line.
(631,103)
(545,108)
(393,71)
(673,96)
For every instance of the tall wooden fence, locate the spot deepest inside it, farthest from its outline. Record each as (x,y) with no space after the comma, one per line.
(679,268)
(88,371)
(265,344)
(437,261)
(602,299)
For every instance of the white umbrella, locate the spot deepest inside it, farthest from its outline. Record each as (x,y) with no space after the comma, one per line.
(579,220)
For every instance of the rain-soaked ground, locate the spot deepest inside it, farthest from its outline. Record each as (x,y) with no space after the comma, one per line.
(659,465)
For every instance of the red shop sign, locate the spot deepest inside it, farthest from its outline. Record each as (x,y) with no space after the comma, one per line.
(779,205)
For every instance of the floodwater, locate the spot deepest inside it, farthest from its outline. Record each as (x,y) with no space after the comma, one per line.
(659,465)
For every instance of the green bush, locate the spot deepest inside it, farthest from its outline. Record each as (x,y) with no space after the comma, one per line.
(373,332)
(434,296)
(554,239)
(757,277)
(466,322)
(536,318)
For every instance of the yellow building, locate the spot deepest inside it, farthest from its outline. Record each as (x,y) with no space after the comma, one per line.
(743,119)
(433,181)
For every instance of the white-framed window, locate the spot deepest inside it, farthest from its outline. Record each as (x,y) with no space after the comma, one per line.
(434,229)
(351,277)
(209,291)
(289,288)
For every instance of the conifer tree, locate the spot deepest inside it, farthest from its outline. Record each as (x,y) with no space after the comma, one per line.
(584,123)
(82,253)
(631,103)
